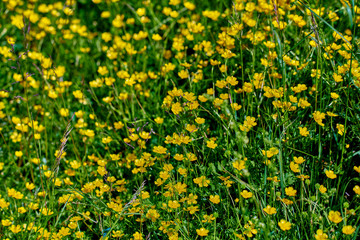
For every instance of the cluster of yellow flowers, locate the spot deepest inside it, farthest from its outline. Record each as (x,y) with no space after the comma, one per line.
(241,118)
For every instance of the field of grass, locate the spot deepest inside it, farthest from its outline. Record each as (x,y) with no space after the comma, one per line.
(179,119)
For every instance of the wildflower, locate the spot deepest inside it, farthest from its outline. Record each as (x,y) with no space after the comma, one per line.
(173,204)
(337,77)
(334,95)
(152,214)
(320,235)
(176,108)
(159,120)
(15,228)
(202,232)
(208,218)
(192,209)
(357,189)
(215,199)
(15,194)
(284,225)
(331,114)
(21,210)
(137,236)
(200,120)
(103,70)
(18,154)
(231,80)
(11,41)
(211,144)
(340,128)
(78,94)
(6,222)
(348,230)
(202,181)
(270,210)
(287,201)
(239,165)
(159,150)
(64,231)
(299,160)
(30,186)
(294,167)
(290,191)
(303,131)
(335,217)
(236,106)
(330,174)
(318,117)
(46,212)
(183,171)
(246,194)
(183,74)
(191,199)
(322,189)
(117,234)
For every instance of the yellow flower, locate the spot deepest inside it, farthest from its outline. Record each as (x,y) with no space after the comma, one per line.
(246,194)
(192,209)
(159,120)
(322,189)
(18,153)
(159,149)
(183,74)
(294,167)
(156,37)
(239,165)
(202,181)
(200,120)
(330,174)
(284,225)
(11,40)
(137,236)
(320,235)
(6,222)
(30,186)
(152,214)
(78,94)
(46,212)
(337,77)
(318,117)
(202,232)
(340,128)
(211,144)
(176,108)
(15,229)
(103,70)
(348,230)
(215,199)
(189,5)
(290,191)
(334,95)
(303,131)
(299,160)
(335,216)
(231,80)
(357,189)
(331,114)
(270,210)
(174,204)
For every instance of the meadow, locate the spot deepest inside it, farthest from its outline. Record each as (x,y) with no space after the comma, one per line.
(180,119)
